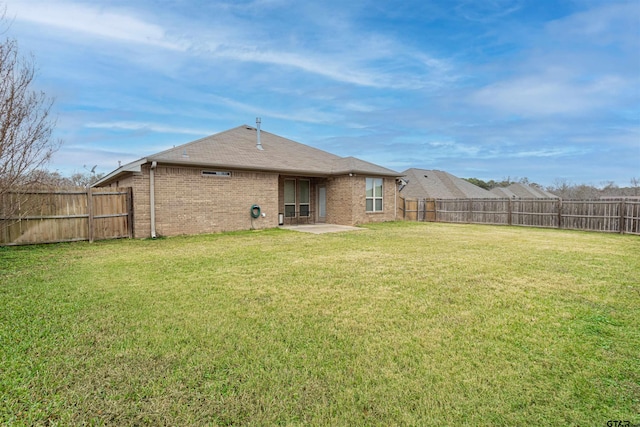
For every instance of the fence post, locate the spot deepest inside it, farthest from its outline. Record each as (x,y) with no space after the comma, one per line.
(435,210)
(622,217)
(559,212)
(509,211)
(424,211)
(90,214)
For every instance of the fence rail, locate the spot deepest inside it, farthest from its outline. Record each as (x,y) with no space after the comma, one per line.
(613,216)
(41,216)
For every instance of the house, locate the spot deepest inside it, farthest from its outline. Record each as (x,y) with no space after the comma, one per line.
(245,178)
(522,191)
(435,184)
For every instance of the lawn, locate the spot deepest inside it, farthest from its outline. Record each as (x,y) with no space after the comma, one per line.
(397,324)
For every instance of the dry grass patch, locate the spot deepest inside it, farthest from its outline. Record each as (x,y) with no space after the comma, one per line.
(403,323)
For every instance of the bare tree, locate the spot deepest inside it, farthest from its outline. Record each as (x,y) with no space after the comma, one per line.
(50,180)
(635,186)
(561,187)
(26,143)
(84,179)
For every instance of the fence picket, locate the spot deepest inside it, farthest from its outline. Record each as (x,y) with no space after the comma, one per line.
(612,216)
(48,216)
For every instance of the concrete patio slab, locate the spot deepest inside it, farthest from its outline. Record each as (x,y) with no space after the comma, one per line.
(320,228)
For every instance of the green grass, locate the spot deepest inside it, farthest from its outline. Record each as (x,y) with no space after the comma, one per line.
(399,324)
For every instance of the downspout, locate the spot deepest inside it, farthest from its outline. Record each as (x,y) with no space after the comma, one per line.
(395,201)
(152,197)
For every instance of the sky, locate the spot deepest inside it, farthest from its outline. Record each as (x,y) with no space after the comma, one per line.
(492,89)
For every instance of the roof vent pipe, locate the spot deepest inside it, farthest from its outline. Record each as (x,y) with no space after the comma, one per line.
(258,145)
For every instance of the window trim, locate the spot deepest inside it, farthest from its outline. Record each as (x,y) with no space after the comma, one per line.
(373,197)
(308,202)
(295,198)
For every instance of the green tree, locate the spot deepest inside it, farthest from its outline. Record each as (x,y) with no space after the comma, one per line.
(478,182)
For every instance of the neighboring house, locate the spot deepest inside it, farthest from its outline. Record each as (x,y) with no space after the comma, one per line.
(435,184)
(246,178)
(522,191)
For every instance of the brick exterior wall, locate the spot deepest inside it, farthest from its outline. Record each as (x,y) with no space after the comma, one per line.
(189,203)
(346,201)
(139,182)
(340,200)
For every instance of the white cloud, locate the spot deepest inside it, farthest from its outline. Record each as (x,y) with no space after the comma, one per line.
(305,115)
(418,82)
(487,10)
(448,148)
(549,94)
(312,63)
(336,50)
(359,107)
(567,71)
(368,60)
(152,127)
(546,152)
(607,23)
(95,21)
(347,66)
(71,158)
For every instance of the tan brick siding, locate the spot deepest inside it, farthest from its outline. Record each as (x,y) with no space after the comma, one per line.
(189,203)
(340,200)
(346,201)
(361,216)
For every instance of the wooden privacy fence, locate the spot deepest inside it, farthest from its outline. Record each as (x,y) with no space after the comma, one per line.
(43,216)
(614,216)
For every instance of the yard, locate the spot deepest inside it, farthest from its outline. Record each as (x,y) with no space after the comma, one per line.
(398,324)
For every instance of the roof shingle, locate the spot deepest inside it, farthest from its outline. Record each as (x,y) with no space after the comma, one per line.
(435,184)
(237,149)
(517,190)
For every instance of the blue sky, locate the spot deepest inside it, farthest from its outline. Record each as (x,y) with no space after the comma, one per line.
(479,88)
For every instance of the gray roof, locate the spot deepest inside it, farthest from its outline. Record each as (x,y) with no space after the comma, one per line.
(522,191)
(347,165)
(435,184)
(237,149)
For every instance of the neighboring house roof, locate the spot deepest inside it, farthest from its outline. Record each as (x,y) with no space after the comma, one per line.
(237,149)
(503,192)
(435,184)
(522,191)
